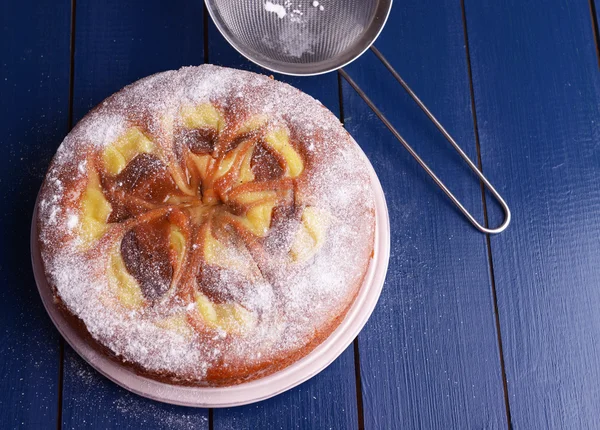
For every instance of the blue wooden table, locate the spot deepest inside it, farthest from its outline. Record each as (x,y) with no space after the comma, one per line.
(470,331)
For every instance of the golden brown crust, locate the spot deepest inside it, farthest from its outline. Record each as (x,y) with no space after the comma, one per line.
(207,226)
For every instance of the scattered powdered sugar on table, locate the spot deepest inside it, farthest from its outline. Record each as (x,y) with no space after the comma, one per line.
(291,302)
(166,417)
(127,406)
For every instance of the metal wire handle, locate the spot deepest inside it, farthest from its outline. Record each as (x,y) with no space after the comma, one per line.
(449,138)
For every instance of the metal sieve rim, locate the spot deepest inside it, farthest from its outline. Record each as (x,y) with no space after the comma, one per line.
(369,36)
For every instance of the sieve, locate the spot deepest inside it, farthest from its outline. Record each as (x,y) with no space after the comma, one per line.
(311,37)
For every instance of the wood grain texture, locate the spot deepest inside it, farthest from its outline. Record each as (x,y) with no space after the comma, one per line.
(429,355)
(537,87)
(92,401)
(116,43)
(329,399)
(34,101)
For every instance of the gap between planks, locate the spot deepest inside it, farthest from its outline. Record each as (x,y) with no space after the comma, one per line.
(61,342)
(358,382)
(486,218)
(595,29)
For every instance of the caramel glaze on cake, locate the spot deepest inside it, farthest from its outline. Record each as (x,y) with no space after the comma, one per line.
(207,226)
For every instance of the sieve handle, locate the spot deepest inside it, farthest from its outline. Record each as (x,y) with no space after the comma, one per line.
(449,138)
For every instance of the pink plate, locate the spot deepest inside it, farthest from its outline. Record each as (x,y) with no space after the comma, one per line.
(250,392)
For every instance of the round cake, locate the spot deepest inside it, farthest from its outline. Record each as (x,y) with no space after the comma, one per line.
(207,226)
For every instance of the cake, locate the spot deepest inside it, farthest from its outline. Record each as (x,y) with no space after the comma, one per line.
(207,226)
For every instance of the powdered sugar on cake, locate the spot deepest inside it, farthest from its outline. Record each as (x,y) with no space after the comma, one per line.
(293,305)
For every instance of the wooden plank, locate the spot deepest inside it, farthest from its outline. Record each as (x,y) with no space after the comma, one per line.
(429,355)
(120,42)
(117,43)
(114,407)
(537,92)
(34,88)
(329,399)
